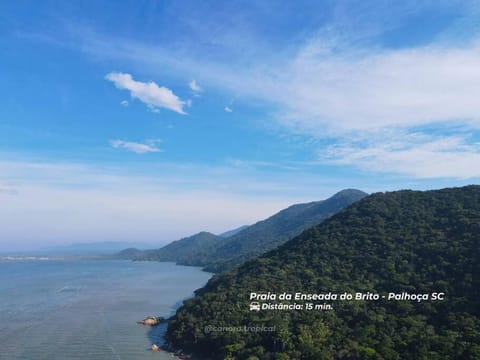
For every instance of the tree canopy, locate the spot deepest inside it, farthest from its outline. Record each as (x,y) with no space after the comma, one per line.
(405,241)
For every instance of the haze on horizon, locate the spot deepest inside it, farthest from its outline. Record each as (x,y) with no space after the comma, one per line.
(122,121)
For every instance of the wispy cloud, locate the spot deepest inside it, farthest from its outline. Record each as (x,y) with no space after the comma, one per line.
(377,89)
(124,103)
(251,164)
(346,93)
(150,93)
(415,155)
(227,109)
(194,86)
(321,88)
(138,148)
(340,89)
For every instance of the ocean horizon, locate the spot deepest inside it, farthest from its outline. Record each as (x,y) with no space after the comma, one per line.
(52,308)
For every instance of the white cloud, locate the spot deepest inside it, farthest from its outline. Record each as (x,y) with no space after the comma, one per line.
(377,89)
(227,109)
(194,86)
(332,88)
(149,93)
(153,109)
(414,155)
(124,103)
(139,148)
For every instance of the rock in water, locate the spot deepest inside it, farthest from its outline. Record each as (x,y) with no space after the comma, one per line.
(151,321)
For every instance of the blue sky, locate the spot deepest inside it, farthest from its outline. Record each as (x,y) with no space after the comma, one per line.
(152,120)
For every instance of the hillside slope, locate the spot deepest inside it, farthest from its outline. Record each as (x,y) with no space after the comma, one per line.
(193,250)
(217,253)
(268,234)
(405,241)
(233,231)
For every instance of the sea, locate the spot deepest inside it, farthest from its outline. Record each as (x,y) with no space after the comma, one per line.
(54,308)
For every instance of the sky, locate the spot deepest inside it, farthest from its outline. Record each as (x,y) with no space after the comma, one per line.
(148,121)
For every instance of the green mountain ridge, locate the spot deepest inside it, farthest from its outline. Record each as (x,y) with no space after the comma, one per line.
(270,233)
(233,231)
(216,253)
(193,250)
(405,241)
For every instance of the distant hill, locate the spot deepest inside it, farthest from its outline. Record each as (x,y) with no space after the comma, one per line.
(93,248)
(406,241)
(192,250)
(268,234)
(129,254)
(217,253)
(233,232)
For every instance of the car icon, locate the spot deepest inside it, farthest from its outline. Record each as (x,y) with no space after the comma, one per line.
(254,306)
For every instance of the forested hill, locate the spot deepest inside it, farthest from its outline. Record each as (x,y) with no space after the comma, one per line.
(405,241)
(268,234)
(193,250)
(218,253)
(233,231)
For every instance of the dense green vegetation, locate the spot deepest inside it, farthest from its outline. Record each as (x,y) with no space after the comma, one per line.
(217,253)
(128,254)
(270,233)
(419,242)
(234,231)
(194,250)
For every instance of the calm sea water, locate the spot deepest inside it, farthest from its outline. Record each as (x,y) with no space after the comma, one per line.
(86,309)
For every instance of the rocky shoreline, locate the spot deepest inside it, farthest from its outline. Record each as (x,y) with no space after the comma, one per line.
(178,353)
(155,321)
